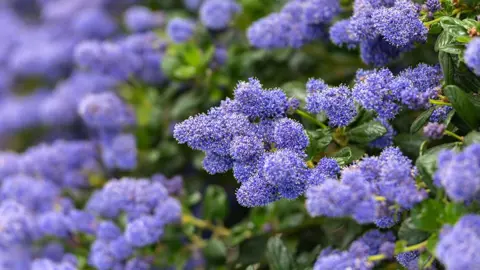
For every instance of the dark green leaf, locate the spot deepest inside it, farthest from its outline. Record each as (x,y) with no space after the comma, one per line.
(463,106)
(252,250)
(452,49)
(343,156)
(278,256)
(409,143)
(421,120)
(215,203)
(444,40)
(367,132)
(319,140)
(425,216)
(410,233)
(472,137)
(215,251)
(448,66)
(466,79)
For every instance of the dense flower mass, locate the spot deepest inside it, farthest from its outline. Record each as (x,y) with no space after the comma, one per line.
(389,176)
(148,208)
(384,93)
(356,257)
(252,135)
(375,125)
(382,29)
(298,23)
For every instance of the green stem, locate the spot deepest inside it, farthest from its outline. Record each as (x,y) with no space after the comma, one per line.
(380,257)
(439,102)
(451,134)
(311,118)
(432,22)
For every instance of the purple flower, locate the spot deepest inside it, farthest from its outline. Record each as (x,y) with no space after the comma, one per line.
(459,173)
(180,30)
(458,246)
(140,19)
(217,14)
(434,131)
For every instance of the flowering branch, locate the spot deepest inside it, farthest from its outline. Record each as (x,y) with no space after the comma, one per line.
(380,257)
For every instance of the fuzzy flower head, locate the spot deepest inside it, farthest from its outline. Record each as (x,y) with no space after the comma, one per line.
(180,30)
(434,131)
(105,111)
(373,92)
(140,19)
(458,246)
(472,55)
(459,173)
(217,14)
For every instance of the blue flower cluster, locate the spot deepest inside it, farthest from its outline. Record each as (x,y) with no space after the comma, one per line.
(147,207)
(472,55)
(253,136)
(356,257)
(336,102)
(458,245)
(376,189)
(382,92)
(458,173)
(142,19)
(299,22)
(217,14)
(434,130)
(138,55)
(382,29)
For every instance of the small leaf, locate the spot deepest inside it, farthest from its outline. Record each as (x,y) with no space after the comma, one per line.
(448,66)
(185,72)
(319,141)
(421,120)
(215,251)
(410,233)
(463,39)
(367,132)
(425,215)
(472,137)
(463,106)
(343,156)
(278,256)
(215,203)
(432,243)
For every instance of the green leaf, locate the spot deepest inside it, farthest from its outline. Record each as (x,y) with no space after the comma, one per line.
(367,132)
(421,120)
(215,203)
(452,49)
(192,55)
(278,256)
(343,156)
(463,39)
(409,143)
(453,212)
(215,251)
(432,243)
(463,106)
(448,66)
(466,79)
(185,72)
(472,137)
(252,250)
(319,141)
(410,233)
(443,40)
(425,215)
